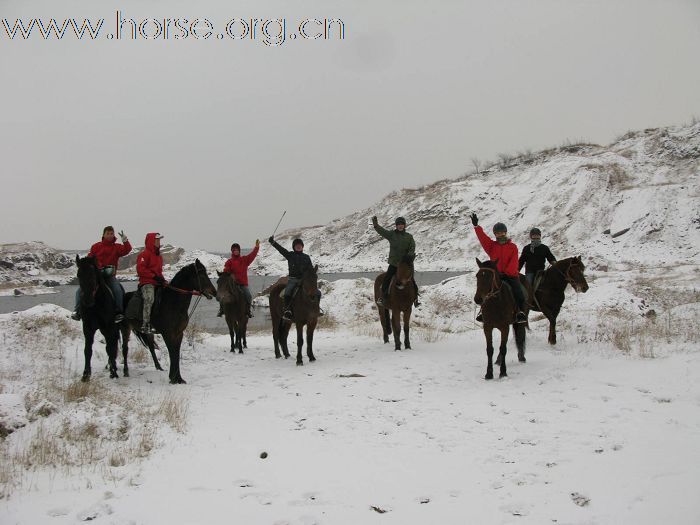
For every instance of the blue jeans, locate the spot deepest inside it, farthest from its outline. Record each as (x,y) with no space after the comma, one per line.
(116,288)
(289,290)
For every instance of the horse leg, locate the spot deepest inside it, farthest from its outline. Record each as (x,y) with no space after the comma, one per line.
(300,343)
(173,342)
(503,349)
(310,340)
(112,344)
(406,322)
(385,322)
(244,330)
(520,334)
(551,316)
(151,342)
(396,328)
(239,336)
(275,337)
(284,333)
(489,351)
(124,331)
(89,334)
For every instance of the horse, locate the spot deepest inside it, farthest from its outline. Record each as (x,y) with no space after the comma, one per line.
(170,318)
(233,301)
(147,340)
(98,310)
(549,296)
(401,297)
(498,308)
(305,310)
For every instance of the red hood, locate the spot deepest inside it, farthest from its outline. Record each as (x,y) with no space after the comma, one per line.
(105,241)
(151,241)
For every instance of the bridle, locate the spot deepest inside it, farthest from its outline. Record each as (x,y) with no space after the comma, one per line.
(567,277)
(196,293)
(495,289)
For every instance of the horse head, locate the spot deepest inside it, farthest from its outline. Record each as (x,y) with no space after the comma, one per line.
(225,287)
(488,280)
(574,274)
(404,274)
(194,277)
(309,283)
(88,280)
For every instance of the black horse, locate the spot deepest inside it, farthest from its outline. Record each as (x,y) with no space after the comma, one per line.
(550,293)
(147,340)
(98,310)
(170,317)
(235,307)
(498,308)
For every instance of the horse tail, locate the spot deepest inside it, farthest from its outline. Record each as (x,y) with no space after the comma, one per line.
(142,339)
(387,321)
(520,335)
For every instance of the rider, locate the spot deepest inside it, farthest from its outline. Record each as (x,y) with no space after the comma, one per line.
(402,247)
(505,253)
(238,266)
(106,253)
(298,262)
(533,255)
(149,267)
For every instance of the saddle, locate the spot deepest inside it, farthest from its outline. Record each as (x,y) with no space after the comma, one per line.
(134,308)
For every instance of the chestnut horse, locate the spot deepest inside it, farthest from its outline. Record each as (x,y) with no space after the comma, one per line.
(498,308)
(401,296)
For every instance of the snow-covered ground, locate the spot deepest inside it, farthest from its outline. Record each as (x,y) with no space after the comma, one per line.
(586,432)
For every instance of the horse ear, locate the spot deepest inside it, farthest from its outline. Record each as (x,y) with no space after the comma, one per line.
(218,273)
(579,258)
(478,262)
(316,269)
(77,259)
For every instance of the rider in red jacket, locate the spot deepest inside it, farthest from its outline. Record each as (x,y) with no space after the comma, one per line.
(238,266)
(505,252)
(149,267)
(107,253)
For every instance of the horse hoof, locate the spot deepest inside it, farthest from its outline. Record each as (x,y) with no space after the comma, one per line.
(521,358)
(502,375)
(240,351)
(300,363)
(488,376)
(408,347)
(386,340)
(312,359)
(158,367)
(85,378)
(178,381)
(126,373)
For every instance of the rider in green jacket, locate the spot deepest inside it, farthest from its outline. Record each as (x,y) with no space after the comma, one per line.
(402,247)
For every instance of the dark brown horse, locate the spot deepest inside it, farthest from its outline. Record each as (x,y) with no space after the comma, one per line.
(550,293)
(305,309)
(401,297)
(170,318)
(498,308)
(235,307)
(147,340)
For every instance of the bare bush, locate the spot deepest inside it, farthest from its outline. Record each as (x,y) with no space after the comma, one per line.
(174,410)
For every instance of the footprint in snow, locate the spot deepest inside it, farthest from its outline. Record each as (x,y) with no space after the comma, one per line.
(580,499)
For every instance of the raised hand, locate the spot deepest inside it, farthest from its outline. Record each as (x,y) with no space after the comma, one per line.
(123,236)
(271,239)
(257,243)
(475,219)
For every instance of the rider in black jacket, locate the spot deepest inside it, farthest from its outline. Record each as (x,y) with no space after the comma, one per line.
(534,254)
(298,262)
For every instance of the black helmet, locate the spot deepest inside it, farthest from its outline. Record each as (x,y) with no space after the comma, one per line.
(236,246)
(400,220)
(535,231)
(499,227)
(297,241)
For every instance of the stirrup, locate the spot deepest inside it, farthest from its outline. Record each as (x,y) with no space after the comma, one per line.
(118,318)
(520,318)
(480,318)
(321,313)
(147,329)
(76,316)
(287,315)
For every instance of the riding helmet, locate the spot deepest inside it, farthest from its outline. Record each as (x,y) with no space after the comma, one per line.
(297,241)
(499,227)
(236,246)
(400,220)
(535,231)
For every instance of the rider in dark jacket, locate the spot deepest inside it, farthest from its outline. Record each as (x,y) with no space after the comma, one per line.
(298,262)
(533,256)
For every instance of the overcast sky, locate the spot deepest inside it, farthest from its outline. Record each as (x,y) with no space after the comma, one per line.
(207,141)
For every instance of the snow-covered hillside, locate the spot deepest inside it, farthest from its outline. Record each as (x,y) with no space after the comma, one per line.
(34,263)
(631,204)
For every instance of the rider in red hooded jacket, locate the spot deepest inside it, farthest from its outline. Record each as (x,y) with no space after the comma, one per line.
(505,252)
(149,267)
(237,265)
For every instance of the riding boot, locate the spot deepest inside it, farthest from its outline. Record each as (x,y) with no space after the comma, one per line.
(287,314)
(480,317)
(416,303)
(76,315)
(221,310)
(249,312)
(520,317)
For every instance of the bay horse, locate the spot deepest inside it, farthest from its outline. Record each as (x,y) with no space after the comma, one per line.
(170,317)
(498,308)
(305,311)
(401,297)
(98,310)
(549,296)
(235,307)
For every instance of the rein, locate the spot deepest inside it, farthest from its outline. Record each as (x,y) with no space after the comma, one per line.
(566,275)
(196,293)
(495,290)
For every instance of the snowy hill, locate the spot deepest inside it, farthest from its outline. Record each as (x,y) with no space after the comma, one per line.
(34,263)
(631,203)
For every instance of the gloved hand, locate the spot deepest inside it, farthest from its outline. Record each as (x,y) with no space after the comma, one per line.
(475,219)
(257,243)
(271,239)
(374,219)
(123,236)
(159,279)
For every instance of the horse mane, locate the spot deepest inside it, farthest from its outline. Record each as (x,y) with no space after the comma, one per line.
(185,272)
(489,264)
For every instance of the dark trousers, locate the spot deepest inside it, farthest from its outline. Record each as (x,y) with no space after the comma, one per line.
(517,290)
